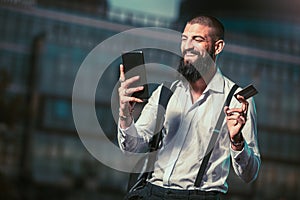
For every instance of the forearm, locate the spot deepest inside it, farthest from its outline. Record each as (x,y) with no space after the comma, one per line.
(246,163)
(244,148)
(135,136)
(125,119)
(129,140)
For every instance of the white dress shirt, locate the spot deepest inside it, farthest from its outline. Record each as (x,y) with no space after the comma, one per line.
(187,131)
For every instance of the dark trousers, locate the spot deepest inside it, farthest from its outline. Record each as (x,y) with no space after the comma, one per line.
(153,192)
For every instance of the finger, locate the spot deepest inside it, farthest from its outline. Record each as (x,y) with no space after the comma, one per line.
(239,123)
(129,81)
(122,75)
(234,111)
(226,108)
(236,116)
(127,99)
(245,108)
(232,122)
(136,100)
(233,117)
(242,120)
(130,91)
(241,99)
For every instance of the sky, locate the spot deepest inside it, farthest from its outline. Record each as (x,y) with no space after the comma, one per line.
(165,8)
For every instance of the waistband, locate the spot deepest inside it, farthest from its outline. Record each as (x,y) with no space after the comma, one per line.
(157,190)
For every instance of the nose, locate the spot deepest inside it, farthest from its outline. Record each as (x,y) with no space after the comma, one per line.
(187,44)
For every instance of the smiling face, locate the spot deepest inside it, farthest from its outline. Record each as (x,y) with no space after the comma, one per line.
(196,42)
(201,42)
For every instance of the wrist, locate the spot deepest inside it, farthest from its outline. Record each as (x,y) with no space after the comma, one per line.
(126,118)
(237,142)
(125,114)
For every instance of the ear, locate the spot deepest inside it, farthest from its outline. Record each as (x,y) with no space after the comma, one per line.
(219,45)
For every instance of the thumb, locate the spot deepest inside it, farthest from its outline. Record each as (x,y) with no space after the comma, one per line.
(226,108)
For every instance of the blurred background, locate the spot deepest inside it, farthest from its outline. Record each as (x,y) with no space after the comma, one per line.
(44,42)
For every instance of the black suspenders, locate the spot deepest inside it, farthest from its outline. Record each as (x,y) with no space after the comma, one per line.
(213,138)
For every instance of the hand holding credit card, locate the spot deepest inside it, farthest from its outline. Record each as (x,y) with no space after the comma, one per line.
(247,92)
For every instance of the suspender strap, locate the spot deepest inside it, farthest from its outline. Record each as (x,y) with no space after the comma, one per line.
(214,138)
(135,181)
(165,95)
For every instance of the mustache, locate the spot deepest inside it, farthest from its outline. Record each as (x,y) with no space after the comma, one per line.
(190,51)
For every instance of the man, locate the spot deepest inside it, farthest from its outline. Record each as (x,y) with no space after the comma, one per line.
(189,123)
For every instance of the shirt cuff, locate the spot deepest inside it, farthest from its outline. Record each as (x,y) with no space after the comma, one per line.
(129,130)
(241,157)
(127,140)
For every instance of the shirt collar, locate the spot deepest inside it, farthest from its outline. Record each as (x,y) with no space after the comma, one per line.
(216,84)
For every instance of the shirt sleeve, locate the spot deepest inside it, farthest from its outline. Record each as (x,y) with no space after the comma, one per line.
(246,163)
(127,142)
(136,137)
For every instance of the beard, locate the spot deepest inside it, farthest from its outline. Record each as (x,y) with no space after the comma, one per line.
(197,70)
(188,71)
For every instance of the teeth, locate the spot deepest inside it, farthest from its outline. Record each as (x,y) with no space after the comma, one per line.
(190,54)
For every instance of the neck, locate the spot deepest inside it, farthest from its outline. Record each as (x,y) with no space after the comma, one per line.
(198,87)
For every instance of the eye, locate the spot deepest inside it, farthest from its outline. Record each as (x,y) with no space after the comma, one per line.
(183,38)
(199,39)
